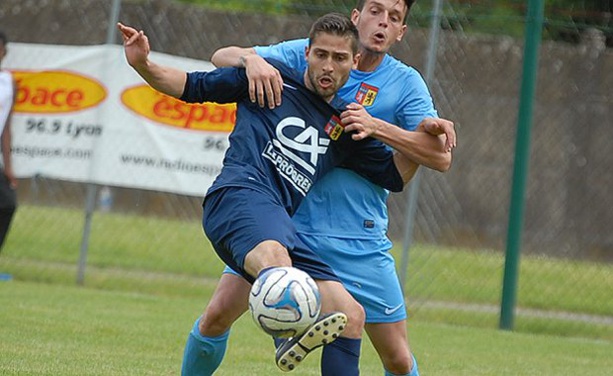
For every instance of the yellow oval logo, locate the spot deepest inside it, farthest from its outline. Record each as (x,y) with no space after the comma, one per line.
(167,110)
(52,92)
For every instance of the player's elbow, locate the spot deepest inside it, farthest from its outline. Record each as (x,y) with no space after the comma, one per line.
(442,164)
(221,57)
(216,59)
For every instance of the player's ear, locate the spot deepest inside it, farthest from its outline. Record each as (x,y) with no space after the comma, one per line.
(307,50)
(355,16)
(356,60)
(401,33)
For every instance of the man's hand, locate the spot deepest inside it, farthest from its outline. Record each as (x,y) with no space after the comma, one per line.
(136,45)
(167,80)
(265,82)
(437,127)
(356,119)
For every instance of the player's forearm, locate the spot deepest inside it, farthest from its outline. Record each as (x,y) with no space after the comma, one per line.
(231,56)
(420,147)
(167,80)
(406,167)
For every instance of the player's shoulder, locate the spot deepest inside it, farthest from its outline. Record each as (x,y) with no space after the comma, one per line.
(390,63)
(285,70)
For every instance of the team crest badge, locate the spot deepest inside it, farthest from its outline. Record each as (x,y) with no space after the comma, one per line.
(334,128)
(366,94)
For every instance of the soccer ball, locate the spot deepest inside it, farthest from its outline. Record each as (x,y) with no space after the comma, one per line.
(284,302)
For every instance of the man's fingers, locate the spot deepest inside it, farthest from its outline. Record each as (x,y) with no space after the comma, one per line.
(270,95)
(260,93)
(353,106)
(277,89)
(252,90)
(274,88)
(129,34)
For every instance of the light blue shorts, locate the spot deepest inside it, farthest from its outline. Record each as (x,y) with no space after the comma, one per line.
(368,274)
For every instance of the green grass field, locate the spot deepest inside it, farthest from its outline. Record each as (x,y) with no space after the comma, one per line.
(67,330)
(147,279)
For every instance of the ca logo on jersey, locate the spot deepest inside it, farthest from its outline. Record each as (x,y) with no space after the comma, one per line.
(296,144)
(307,141)
(366,94)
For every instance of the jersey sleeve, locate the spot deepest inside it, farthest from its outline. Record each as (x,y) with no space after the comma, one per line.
(291,53)
(222,85)
(416,102)
(375,162)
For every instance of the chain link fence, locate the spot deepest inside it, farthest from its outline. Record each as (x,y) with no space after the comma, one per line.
(152,241)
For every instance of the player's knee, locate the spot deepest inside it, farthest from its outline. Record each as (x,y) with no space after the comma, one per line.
(266,254)
(398,363)
(355,320)
(215,321)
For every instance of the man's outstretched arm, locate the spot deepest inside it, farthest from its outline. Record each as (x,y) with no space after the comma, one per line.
(166,80)
(265,82)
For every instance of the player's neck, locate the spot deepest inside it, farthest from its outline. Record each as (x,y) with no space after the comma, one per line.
(369,60)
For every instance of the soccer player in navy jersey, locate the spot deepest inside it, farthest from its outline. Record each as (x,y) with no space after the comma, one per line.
(274,158)
(345,216)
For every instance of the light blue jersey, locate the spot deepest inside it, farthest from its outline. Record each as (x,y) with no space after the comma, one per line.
(345,216)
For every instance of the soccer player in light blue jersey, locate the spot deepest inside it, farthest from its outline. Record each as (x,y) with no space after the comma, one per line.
(345,217)
(274,158)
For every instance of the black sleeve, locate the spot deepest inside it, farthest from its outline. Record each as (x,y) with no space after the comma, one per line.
(222,85)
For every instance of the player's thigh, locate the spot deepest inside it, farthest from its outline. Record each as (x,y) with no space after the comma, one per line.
(229,301)
(335,298)
(236,220)
(389,339)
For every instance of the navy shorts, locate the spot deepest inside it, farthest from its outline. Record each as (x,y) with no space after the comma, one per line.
(236,219)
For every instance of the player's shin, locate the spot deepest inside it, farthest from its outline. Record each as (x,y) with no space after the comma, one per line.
(341,357)
(203,355)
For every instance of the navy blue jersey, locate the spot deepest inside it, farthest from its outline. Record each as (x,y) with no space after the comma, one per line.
(284,151)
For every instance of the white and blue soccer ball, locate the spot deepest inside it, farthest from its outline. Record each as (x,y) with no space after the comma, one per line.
(284,302)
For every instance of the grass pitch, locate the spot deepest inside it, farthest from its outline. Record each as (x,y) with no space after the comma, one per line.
(67,330)
(147,279)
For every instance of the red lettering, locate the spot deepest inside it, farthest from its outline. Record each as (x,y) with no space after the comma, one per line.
(219,115)
(74,98)
(181,110)
(41,96)
(23,92)
(197,114)
(161,108)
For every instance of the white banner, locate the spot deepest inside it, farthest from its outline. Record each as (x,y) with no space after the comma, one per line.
(82,114)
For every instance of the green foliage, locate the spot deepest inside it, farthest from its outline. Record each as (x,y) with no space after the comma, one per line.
(564,19)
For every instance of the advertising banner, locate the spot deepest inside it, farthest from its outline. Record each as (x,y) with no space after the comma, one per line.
(82,114)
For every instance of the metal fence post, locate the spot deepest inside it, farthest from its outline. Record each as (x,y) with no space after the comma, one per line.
(534,25)
(435,27)
(92,189)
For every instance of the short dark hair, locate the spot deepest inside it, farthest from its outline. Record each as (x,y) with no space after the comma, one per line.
(3,38)
(336,24)
(408,3)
